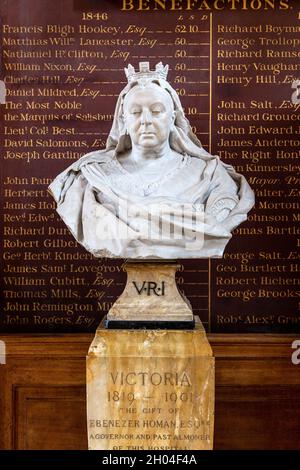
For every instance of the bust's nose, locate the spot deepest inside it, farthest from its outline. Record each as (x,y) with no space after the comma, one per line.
(146,117)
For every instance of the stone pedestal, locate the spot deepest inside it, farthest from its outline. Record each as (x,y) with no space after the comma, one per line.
(151,299)
(150,389)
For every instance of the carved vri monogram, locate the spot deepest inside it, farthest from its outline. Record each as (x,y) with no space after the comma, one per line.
(150,287)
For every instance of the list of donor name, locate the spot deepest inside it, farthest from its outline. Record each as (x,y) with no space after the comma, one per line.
(62,80)
(237,74)
(256,128)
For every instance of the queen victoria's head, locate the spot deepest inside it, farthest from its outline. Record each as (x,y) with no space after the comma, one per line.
(149,116)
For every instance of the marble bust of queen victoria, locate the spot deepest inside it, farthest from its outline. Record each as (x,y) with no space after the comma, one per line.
(154,189)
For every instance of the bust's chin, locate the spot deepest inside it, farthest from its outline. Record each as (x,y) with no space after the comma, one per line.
(148,146)
(148,140)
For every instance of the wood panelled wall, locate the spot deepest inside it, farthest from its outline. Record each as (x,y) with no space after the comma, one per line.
(42,399)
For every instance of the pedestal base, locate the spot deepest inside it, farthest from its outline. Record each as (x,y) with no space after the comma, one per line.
(150,389)
(149,325)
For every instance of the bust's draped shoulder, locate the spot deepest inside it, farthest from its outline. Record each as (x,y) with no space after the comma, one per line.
(62,183)
(91,200)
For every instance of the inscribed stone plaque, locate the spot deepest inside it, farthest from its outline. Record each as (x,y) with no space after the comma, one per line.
(150,389)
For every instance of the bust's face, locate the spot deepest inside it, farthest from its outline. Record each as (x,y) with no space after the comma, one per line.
(149,115)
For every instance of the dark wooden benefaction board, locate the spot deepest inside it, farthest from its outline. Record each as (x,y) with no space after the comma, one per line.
(237,72)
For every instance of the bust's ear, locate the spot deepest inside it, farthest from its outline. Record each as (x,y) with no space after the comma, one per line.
(123,127)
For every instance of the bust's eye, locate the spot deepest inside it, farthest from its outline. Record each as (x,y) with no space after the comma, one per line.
(135,111)
(156,110)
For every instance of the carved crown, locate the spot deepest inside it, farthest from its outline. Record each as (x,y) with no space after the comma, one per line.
(160,72)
